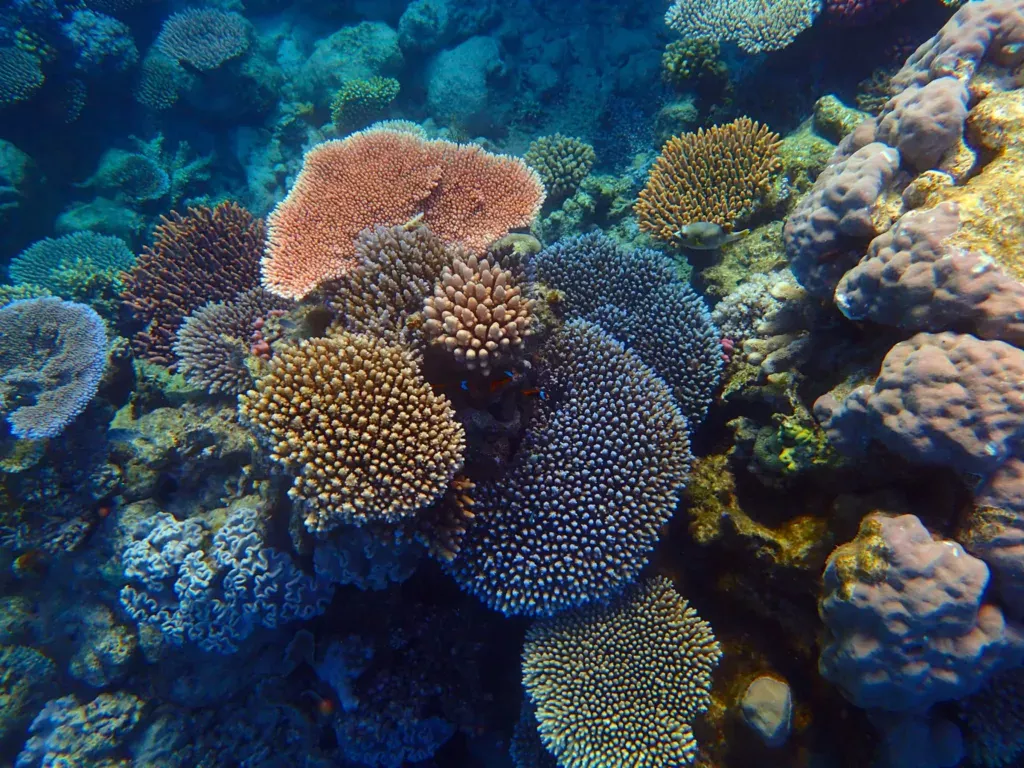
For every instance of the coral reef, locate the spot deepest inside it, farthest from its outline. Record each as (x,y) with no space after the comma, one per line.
(719,175)
(638,297)
(204,38)
(754,27)
(359,102)
(37,264)
(209,254)
(51,362)
(364,434)
(478,314)
(463,193)
(599,472)
(562,162)
(621,684)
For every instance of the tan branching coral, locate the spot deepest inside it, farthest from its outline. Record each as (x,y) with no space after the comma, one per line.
(478,313)
(562,162)
(352,417)
(718,175)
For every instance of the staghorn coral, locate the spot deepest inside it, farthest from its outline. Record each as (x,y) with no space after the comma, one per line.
(360,101)
(203,38)
(719,175)
(51,361)
(21,74)
(352,417)
(38,263)
(562,162)
(753,25)
(638,297)
(209,254)
(598,473)
(215,341)
(620,684)
(478,313)
(398,268)
(466,195)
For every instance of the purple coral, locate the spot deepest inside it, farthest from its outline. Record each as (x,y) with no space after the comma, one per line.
(215,594)
(638,297)
(913,278)
(204,38)
(597,475)
(827,232)
(908,626)
(51,362)
(925,122)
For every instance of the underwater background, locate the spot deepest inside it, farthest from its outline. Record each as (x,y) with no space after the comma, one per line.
(473,383)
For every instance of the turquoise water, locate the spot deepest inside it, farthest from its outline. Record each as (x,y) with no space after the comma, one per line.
(597,384)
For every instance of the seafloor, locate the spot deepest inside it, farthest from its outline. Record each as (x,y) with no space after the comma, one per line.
(511,383)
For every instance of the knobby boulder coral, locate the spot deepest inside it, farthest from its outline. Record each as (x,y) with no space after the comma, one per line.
(466,195)
(51,361)
(209,254)
(620,684)
(717,175)
(354,420)
(598,473)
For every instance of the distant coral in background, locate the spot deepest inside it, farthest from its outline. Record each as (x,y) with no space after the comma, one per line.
(204,38)
(365,436)
(754,26)
(214,589)
(396,273)
(130,176)
(597,474)
(467,196)
(907,621)
(693,63)
(562,162)
(639,298)
(51,362)
(620,684)
(21,74)
(208,254)
(103,45)
(161,81)
(38,264)
(478,313)
(359,101)
(719,175)
(855,12)
(67,732)
(215,340)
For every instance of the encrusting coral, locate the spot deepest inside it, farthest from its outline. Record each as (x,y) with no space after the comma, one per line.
(353,419)
(478,313)
(620,684)
(208,254)
(719,175)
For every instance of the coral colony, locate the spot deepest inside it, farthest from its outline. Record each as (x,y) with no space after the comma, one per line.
(509,384)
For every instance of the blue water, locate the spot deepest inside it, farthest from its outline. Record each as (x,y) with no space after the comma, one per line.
(476,383)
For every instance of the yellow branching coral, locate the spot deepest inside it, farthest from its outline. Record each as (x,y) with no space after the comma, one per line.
(354,420)
(718,175)
(478,313)
(619,684)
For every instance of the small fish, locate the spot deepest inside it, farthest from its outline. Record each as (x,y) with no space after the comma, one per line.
(535,392)
(706,236)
